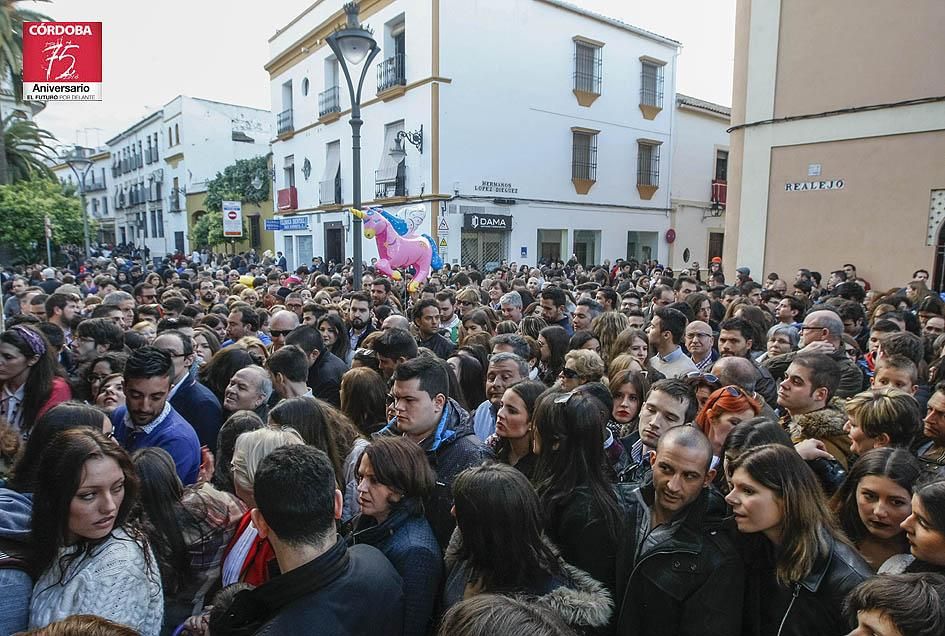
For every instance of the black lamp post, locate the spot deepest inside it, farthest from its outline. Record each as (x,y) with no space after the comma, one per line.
(81,166)
(353,45)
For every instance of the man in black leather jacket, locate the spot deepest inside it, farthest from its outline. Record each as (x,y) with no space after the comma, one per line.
(680,574)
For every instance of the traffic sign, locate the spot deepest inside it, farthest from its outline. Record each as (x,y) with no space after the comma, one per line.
(443,226)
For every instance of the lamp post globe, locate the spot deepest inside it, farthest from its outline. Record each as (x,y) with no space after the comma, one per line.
(354,45)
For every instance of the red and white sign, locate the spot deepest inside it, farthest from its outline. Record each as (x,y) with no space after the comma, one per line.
(62,61)
(232,219)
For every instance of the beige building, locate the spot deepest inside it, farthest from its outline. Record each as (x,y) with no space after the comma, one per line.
(838,140)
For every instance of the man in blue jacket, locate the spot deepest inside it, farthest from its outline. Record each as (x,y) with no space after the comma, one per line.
(196,403)
(149,419)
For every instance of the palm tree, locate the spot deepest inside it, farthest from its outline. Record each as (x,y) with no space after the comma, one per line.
(25,145)
(12,18)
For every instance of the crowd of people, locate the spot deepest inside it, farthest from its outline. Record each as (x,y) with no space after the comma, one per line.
(215,445)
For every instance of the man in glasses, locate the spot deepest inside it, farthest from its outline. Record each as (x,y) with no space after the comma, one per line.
(698,341)
(822,332)
(193,401)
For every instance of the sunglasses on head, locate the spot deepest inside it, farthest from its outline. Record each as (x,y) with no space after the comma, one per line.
(708,377)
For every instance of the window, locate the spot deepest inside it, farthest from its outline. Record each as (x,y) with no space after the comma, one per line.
(305,86)
(648,163)
(651,83)
(288,171)
(160,223)
(170,137)
(721,165)
(104,205)
(254,231)
(587,67)
(176,134)
(584,155)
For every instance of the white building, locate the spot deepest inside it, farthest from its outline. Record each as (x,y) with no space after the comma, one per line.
(98,207)
(545,130)
(698,189)
(171,154)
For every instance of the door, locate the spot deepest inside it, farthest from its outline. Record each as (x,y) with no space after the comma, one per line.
(716,241)
(334,242)
(938,275)
(179,241)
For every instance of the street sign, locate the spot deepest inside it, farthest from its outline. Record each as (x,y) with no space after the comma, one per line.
(443,226)
(273,224)
(295,223)
(443,243)
(232,219)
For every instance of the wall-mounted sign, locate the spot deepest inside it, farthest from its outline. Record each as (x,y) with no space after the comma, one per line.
(833,184)
(273,224)
(813,169)
(480,222)
(232,219)
(295,223)
(496,187)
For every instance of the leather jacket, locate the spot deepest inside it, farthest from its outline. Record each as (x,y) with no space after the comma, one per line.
(690,583)
(812,606)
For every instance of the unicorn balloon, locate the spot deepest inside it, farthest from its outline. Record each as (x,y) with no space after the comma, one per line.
(398,246)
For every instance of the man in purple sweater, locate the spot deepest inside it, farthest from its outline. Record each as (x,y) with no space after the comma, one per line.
(148,419)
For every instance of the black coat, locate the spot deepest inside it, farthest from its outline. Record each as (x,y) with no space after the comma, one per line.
(690,583)
(442,347)
(324,377)
(813,606)
(344,592)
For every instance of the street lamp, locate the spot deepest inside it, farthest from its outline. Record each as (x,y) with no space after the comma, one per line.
(353,45)
(81,166)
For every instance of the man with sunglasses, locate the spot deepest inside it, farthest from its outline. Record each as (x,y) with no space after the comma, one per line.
(280,325)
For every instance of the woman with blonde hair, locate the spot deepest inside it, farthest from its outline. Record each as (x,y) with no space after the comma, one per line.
(776,497)
(607,327)
(255,348)
(247,558)
(580,367)
(466,301)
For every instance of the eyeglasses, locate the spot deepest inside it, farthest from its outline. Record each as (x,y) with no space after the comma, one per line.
(806,327)
(569,373)
(293,305)
(693,336)
(279,333)
(174,354)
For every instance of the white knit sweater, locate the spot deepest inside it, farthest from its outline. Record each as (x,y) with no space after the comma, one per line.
(113,582)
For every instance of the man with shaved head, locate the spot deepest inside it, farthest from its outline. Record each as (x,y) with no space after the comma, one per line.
(698,340)
(281,323)
(741,372)
(822,332)
(675,525)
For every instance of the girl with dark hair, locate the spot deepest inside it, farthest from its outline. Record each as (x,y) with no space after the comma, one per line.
(554,344)
(188,528)
(469,372)
(206,345)
(778,498)
(483,557)
(16,504)
(111,393)
(102,367)
(329,430)
(925,529)
(221,368)
(584,340)
(578,500)
(874,500)
(364,399)
(514,426)
(393,478)
(215,323)
(87,556)
(29,384)
(629,390)
(234,426)
(475,322)
(335,336)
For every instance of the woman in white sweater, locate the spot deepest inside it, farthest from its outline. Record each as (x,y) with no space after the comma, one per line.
(87,559)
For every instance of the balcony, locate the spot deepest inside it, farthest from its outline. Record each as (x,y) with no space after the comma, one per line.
(94,186)
(719,192)
(329,102)
(284,123)
(288,198)
(389,184)
(329,192)
(391,78)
